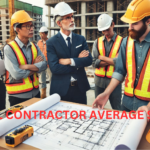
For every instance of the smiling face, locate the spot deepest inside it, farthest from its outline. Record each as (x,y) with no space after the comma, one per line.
(26,30)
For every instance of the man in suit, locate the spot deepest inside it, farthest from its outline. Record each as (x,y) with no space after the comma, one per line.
(67,56)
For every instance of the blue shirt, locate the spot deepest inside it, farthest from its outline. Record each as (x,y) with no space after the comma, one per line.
(16,74)
(120,72)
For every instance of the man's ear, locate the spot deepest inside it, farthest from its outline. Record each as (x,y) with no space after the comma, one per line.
(17,30)
(113,24)
(148,21)
(59,23)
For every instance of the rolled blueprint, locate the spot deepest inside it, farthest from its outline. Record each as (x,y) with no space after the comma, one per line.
(8,124)
(133,134)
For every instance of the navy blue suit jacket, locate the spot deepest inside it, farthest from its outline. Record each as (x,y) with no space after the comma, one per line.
(61,74)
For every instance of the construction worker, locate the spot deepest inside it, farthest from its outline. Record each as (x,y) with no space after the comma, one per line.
(105,50)
(68,54)
(42,45)
(133,60)
(2,85)
(23,60)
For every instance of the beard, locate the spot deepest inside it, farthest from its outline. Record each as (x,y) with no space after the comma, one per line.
(69,28)
(137,34)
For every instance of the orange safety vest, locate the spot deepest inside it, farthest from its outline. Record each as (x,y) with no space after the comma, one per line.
(27,84)
(107,71)
(142,90)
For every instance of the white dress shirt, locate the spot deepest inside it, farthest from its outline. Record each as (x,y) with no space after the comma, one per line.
(65,38)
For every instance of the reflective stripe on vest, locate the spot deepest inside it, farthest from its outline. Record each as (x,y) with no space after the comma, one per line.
(101,72)
(27,84)
(142,90)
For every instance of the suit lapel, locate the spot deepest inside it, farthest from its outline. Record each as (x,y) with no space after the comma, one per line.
(63,44)
(73,44)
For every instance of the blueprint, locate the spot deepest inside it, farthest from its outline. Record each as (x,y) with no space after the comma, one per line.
(75,134)
(81,134)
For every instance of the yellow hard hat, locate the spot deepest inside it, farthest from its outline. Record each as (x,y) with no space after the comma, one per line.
(20,17)
(136,11)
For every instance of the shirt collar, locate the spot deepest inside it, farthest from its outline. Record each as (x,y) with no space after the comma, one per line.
(113,38)
(65,36)
(20,43)
(147,38)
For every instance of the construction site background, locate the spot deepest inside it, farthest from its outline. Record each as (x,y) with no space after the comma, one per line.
(87,12)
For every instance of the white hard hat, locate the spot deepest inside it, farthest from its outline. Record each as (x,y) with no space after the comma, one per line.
(62,9)
(43,29)
(104,22)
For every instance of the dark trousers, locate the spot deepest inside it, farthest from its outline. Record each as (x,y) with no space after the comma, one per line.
(75,95)
(2,95)
(16,100)
(115,96)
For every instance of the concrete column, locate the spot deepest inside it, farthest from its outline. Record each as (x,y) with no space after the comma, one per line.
(110,7)
(4,24)
(83,19)
(49,21)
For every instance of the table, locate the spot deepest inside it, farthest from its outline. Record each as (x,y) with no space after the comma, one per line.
(142,145)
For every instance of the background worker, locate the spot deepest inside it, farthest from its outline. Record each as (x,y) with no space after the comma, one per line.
(67,56)
(42,45)
(23,60)
(133,60)
(2,85)
(105,50)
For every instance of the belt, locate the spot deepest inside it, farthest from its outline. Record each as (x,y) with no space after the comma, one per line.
(74,83)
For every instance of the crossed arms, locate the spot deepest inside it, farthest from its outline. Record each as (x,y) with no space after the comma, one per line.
(63,66)
(22,71)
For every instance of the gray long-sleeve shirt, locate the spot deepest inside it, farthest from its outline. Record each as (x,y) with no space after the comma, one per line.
(99,81)
(17,74)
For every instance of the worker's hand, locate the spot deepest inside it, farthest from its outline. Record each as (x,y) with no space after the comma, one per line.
(100,101)
(101,57)
(31,73)
(146,109)
(38,59)
(23,67)
(65,61)
(84,53)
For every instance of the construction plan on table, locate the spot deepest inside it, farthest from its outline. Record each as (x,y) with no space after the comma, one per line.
(82,134)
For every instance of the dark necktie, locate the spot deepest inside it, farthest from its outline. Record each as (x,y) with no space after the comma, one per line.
(69,44)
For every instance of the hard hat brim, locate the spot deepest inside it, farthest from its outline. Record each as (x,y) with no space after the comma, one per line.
(126,20)
(67,13)
(42,31)
(26,21)
(105,28)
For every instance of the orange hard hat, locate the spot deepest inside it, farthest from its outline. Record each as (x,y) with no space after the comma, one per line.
(136,11)
(20,17)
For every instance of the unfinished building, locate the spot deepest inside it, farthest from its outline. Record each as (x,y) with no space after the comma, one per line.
(34,11)
(87,12)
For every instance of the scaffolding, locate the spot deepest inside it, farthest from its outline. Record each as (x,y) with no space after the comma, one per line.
(76,7)
(96,6)
(87,12)
(122,4)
